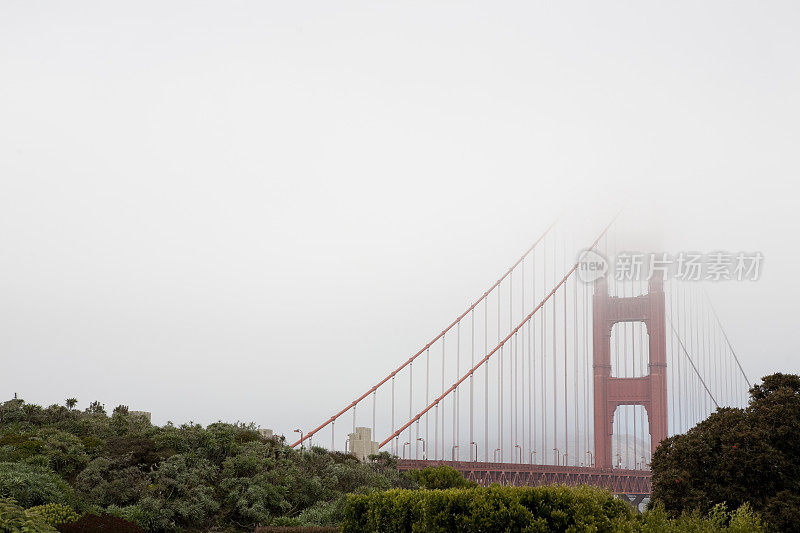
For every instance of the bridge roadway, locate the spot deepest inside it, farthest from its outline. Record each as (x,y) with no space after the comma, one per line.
(633,485)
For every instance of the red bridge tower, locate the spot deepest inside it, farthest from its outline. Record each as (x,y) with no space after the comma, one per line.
(610,392)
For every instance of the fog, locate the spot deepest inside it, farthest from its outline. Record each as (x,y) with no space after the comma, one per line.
(252,211)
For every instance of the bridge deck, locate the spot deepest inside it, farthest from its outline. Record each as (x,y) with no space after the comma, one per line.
(631,483)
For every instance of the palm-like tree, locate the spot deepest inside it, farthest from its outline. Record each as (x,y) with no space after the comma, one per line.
(71,403)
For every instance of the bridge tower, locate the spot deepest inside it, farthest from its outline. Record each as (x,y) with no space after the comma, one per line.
(611,392)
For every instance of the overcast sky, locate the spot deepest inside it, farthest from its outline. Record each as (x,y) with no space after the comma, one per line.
(253,210)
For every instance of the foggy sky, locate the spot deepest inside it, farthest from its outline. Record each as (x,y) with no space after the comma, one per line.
(253,210)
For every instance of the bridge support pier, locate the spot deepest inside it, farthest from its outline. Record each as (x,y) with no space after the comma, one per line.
(610,392)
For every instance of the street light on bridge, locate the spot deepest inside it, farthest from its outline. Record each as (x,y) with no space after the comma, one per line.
(424,455)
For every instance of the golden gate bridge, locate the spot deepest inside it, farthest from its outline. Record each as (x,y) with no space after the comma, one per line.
(550,377)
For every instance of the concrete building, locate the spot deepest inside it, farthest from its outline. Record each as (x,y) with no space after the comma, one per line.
(360,443)
(266,433)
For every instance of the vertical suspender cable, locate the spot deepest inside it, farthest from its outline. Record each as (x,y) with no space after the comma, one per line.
(524,358)
(500,403)
(531,367)
(512,362)
(456,394)
(393,378)
(499,383)
(678,374)
(411,408)
(543,378)
(444,455)
(566,401)
(427,399)
(472,387)
(587,367)
(623,373)
(486,384)
(634,354)
(555,358)
(575,367)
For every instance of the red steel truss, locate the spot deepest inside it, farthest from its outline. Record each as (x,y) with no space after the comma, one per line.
(623,482)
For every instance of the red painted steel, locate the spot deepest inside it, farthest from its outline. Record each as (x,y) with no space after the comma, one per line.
(610,392)
(618,481)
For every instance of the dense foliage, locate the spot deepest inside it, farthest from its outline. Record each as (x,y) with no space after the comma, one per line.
(738,456)
(530,509)
(54,513)
(440,477)
(224,476)
(486,509)
(14,519)
(88,471)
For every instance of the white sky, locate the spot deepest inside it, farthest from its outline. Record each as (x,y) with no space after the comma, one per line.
(252,210)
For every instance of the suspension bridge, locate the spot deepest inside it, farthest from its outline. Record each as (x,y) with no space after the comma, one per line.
(550,378)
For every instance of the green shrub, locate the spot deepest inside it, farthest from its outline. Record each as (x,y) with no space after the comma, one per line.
(529,509)
(553,508)
(14,519)
(32,485)
(719,520)
(324,513)
(54,513)
(107,482)
(440,477)
(18,447)
(132,513)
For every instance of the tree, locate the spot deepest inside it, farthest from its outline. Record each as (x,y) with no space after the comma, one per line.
(182,493)
(71,403)
(737,456)
(96,408)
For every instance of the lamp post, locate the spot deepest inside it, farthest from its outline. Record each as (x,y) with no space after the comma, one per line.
(454,451)
(591,458)
(558,456)
(424,455)
(530,457)
(471,444)
(298,430)
(518,447)
(496,451)
(404,448)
